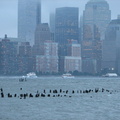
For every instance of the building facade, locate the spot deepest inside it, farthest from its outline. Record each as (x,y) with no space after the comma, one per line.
(66,27)
(48,63)
(8,57)
(25,59)
(111,47)
(42,33)
(96,13)
(29,14)
(96,18)
(72,62)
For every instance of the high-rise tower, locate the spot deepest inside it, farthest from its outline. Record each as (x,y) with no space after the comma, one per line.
(96,13)
(66,27)
(96,18)
(111,47)
(66,24)
(42,33)
(27,19)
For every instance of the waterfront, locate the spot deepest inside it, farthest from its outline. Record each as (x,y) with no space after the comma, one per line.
(68,106)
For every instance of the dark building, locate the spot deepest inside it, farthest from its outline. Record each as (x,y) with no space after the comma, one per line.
(111,47)
(8,57)
(25,59)
(25,49)
(42,33)
(66,27)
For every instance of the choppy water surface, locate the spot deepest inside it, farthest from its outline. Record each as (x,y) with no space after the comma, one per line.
(71,103)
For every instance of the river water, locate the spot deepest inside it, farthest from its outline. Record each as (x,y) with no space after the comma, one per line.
(81,98)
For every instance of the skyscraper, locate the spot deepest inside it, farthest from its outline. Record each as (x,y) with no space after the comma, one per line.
(66,26)
(96,18)
(42,33)
(52,22)
(111,47)
(96,13)
(29,14)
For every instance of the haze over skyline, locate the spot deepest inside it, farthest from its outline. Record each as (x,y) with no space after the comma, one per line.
(8,12)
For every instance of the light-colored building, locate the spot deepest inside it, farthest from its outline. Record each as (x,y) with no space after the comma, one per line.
(29,12)
(72,64)
(49,61)
(74,50)
(97,14)
(47,64)
(50,48)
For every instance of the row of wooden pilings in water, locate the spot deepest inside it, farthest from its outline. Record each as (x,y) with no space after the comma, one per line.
(54,93)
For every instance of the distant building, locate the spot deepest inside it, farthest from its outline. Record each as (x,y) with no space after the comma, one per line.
(25,49)
(42,33)
(111,47)
(89,66)
(74,49)
(25,59)
(8,57)
(66,27)
(52,23)
(92,50)
(72,62)
(49,61)
(96,13)
(96,18)
(29,14)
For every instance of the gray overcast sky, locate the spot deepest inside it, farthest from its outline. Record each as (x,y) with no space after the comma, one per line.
(8,12)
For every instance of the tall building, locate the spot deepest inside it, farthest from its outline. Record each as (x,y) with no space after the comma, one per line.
(52,22)
(92,50)
(96,13)
(66,27)
(52,26)
(29,14)
(111,47)
(96,18)
(42,33)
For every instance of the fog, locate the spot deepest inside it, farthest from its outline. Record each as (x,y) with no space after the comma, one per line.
(8,12)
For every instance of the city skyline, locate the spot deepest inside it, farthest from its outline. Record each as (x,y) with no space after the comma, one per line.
(8,12)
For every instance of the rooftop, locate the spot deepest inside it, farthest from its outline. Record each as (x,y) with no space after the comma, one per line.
(116,21)
(97,1)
